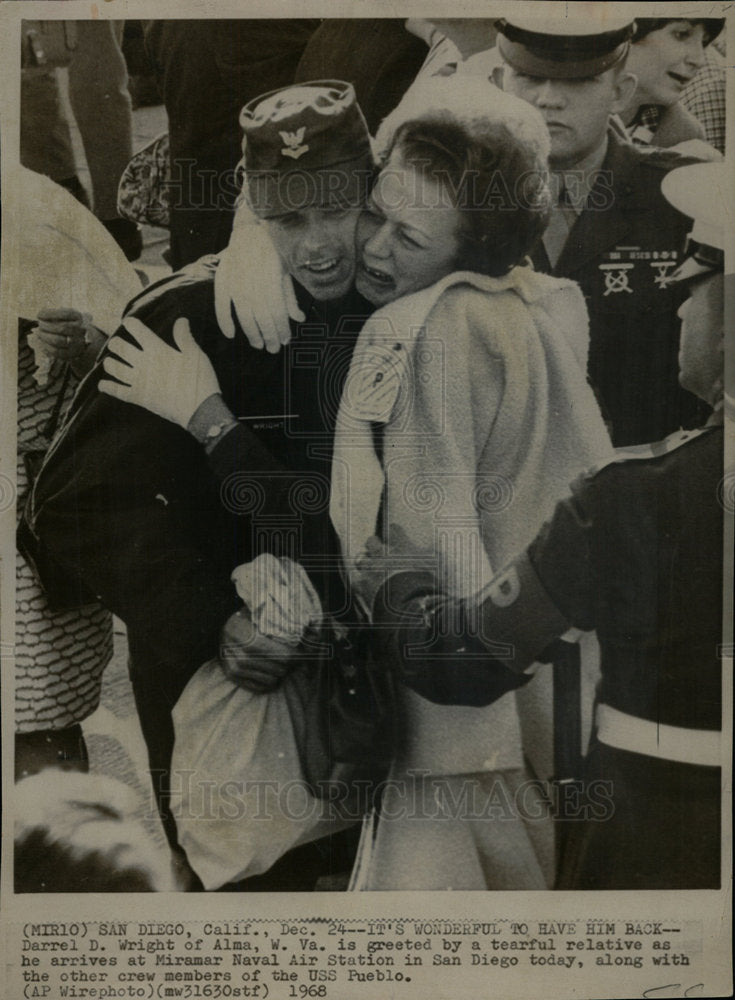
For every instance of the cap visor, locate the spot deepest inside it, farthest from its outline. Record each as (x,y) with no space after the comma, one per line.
(560,66)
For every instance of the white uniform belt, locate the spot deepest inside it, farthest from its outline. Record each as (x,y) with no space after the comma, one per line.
(687,746)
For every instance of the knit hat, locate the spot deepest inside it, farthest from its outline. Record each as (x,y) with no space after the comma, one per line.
(306,145)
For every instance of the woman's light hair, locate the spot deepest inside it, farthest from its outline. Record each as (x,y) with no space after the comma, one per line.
(474,103)
(489,150)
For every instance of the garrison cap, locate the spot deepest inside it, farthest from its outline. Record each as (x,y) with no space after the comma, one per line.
(306,145)
(584,44)
(699,191)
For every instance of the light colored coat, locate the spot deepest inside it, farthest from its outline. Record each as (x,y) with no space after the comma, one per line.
(488,418)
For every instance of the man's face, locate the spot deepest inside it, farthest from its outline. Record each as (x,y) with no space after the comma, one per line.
(701,345)
(317,246)
(576,112)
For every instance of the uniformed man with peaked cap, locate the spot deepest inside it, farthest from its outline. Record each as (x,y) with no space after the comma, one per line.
(636,554)
(612,230)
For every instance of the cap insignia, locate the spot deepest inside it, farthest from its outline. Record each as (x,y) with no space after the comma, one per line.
(294,145)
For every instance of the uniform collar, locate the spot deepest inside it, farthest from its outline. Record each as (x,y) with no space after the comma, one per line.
(351,305)
(595,232)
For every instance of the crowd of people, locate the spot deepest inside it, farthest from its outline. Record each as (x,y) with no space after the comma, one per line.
(437,391)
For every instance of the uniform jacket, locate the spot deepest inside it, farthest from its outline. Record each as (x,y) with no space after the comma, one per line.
(622,251)
(634,553)
(130,505)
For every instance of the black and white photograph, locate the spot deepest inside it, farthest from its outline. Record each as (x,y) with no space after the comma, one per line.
(367,496)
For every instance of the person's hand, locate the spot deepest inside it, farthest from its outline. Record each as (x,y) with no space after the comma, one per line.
(63,333)
(377,562)
(370,571)
(281,598)
(253,660)
(250,280)
(171,382)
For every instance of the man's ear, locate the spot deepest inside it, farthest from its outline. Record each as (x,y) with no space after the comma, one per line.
(623,91)
(497,76)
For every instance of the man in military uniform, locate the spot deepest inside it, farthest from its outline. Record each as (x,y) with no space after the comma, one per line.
(611,229)
(152,517)
(636,554)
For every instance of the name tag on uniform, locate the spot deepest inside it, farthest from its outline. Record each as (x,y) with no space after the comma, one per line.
(268,421)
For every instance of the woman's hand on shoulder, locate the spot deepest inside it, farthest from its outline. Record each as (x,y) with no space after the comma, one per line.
(251,283)
(171,382)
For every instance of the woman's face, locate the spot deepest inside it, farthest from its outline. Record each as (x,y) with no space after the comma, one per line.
(666,60)
(408,237)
